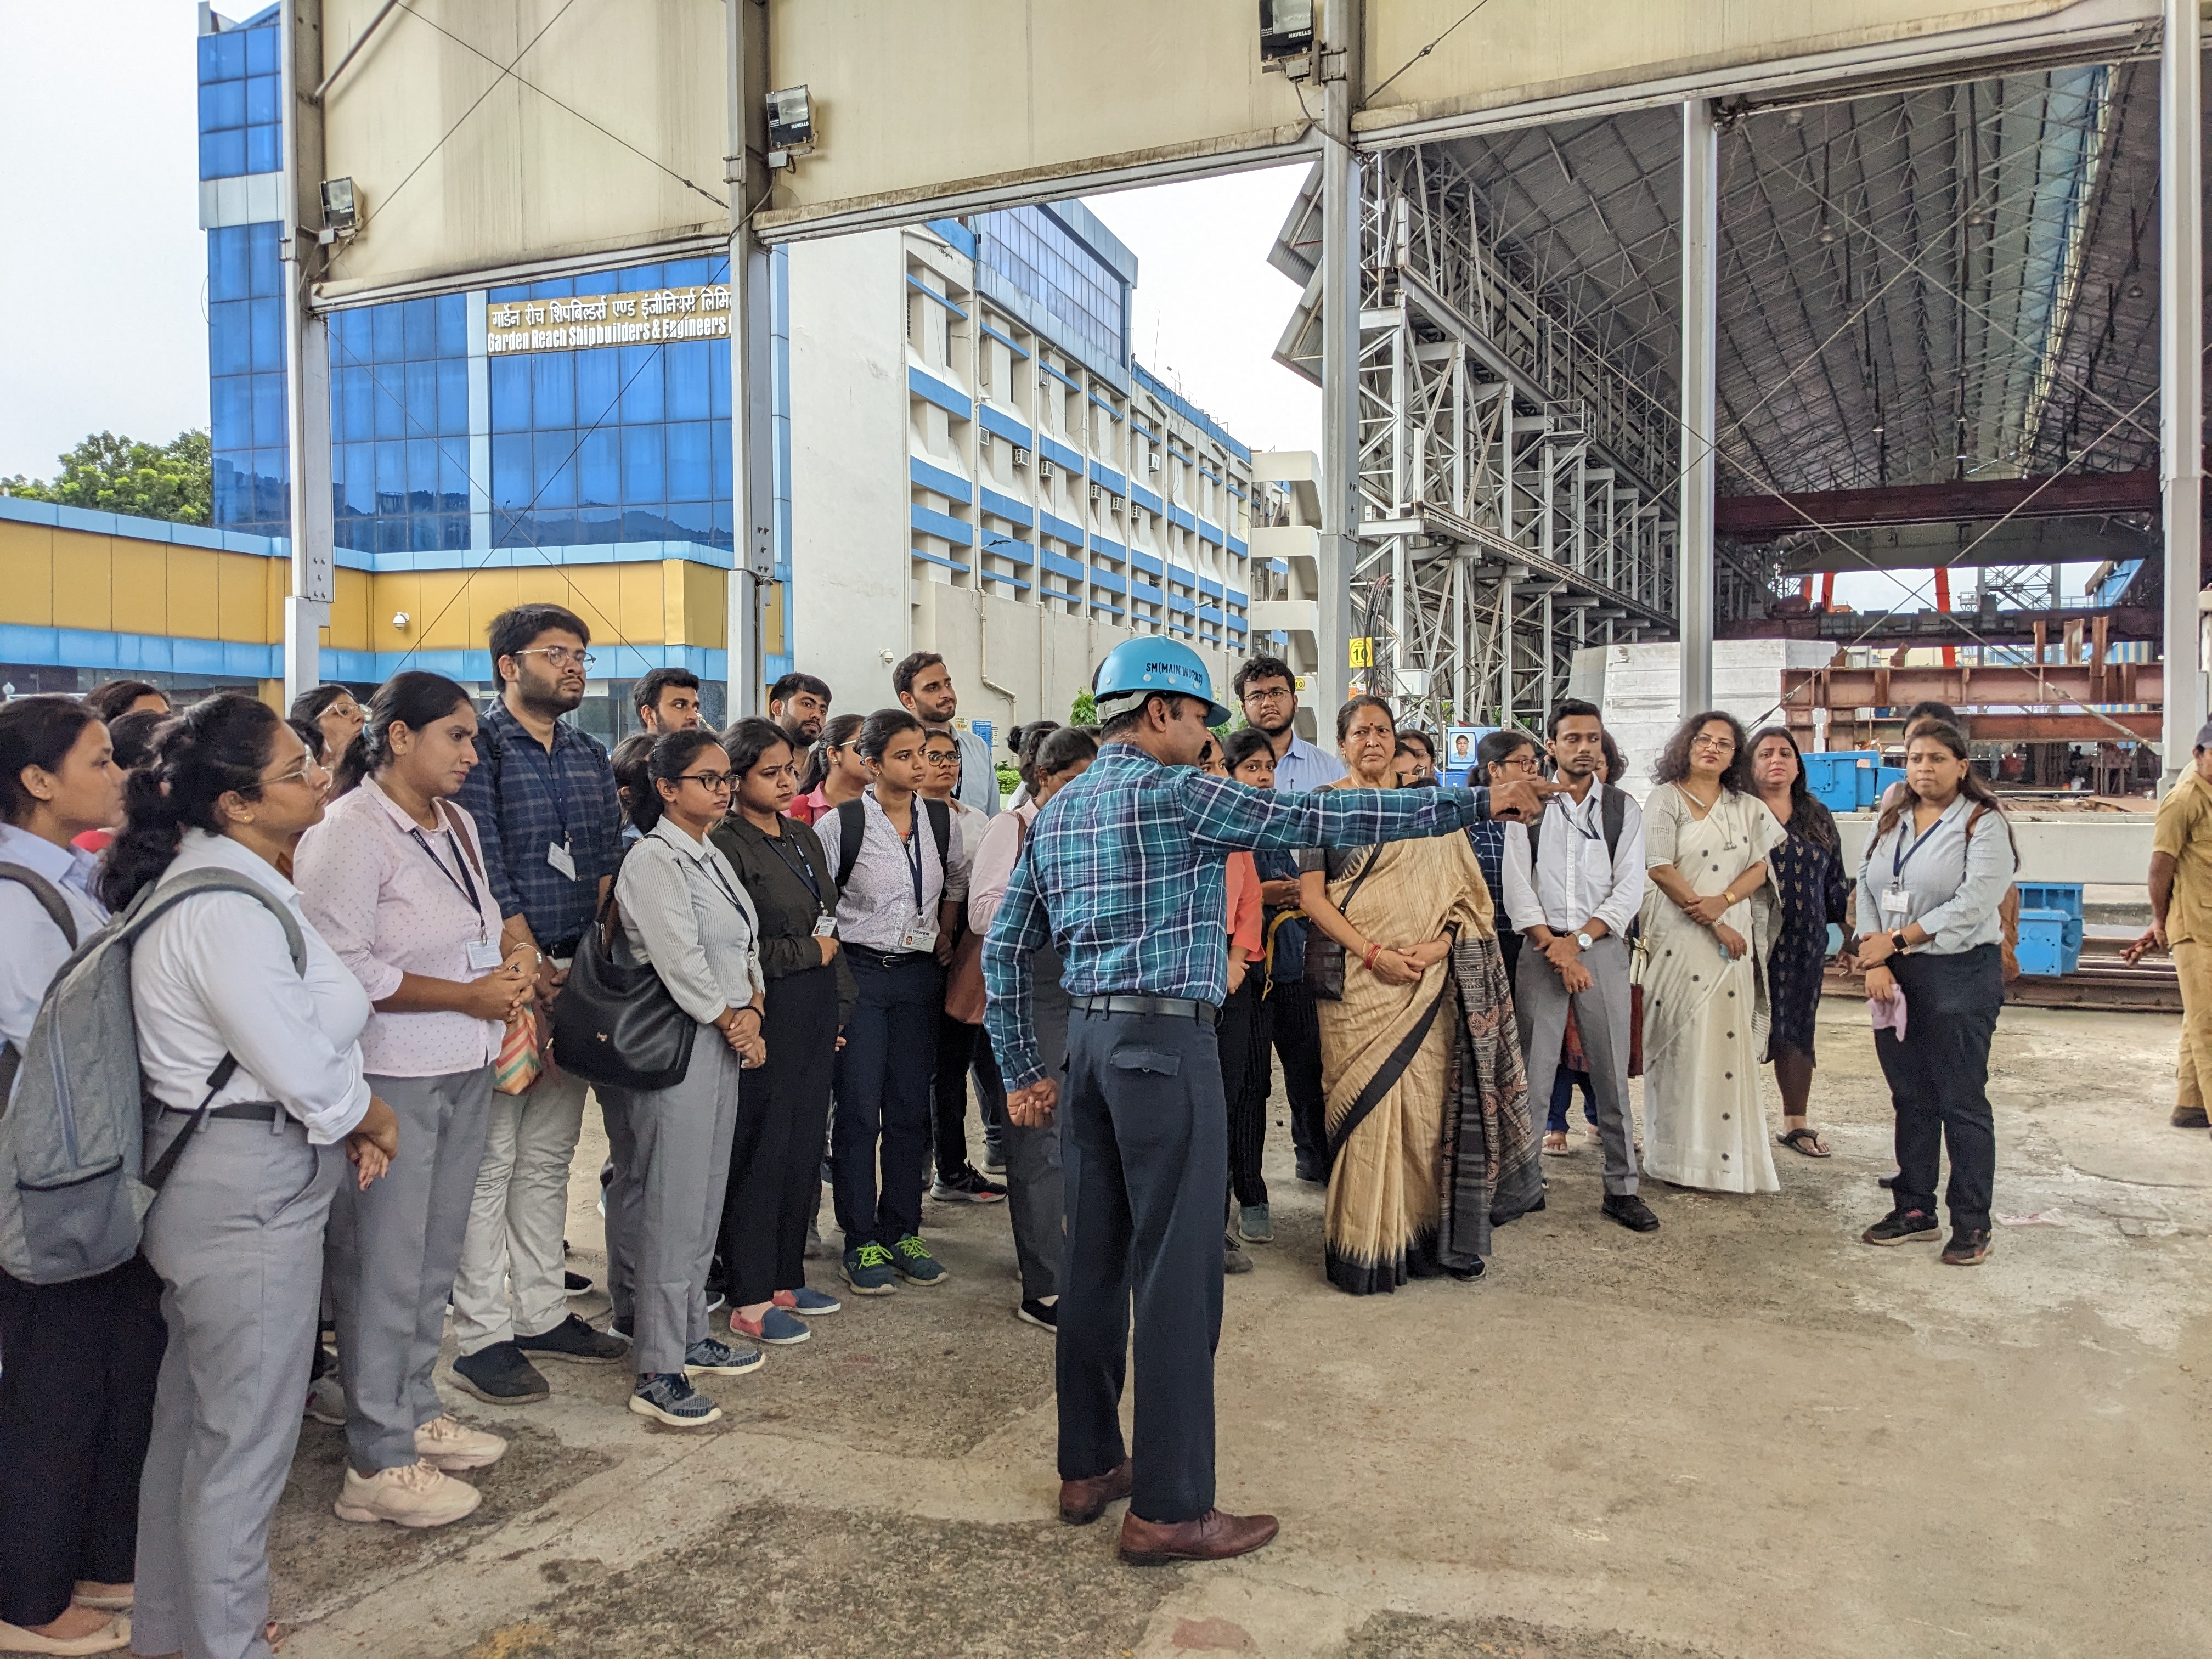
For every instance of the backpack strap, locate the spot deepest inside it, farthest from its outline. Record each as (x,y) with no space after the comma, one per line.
(940,825)
(851,825)
(1613,812)
(48,895)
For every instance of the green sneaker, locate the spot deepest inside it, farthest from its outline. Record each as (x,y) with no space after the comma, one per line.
(915,1264)
(868,1271)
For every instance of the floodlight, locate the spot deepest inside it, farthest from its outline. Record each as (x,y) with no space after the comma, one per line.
(791,120)
(1285,29)
(339,210)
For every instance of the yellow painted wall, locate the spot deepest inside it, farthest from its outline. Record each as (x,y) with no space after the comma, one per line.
(56,578)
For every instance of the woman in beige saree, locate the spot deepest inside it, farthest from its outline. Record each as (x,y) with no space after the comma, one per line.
(1709,922)
(1426,1101)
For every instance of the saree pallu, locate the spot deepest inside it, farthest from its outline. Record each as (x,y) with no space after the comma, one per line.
(1427,1108)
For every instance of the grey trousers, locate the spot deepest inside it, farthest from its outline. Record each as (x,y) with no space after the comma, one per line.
(519,1215)
(1601,1015)
(670,1194)
(392,1253)
(237,1237)
(622,1208)
(1037,1193)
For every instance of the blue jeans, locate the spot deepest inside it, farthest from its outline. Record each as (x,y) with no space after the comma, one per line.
(1563,1094)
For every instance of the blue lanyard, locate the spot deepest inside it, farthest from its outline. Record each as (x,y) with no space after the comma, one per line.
(911,845)
(555,781)
(465,885)
(1903,855)
(798,866)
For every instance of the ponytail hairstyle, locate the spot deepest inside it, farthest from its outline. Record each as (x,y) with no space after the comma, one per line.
(1051,750)
(840,730)
(881,727)
(1019,737)
(1971,785)
(416,700)
(671,759)
(133,736)
(219,744)
(36,731)
(631,763)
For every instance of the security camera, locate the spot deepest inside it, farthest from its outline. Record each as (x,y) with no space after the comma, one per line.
(400,619)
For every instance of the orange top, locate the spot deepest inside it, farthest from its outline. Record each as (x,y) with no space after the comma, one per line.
(1244,907)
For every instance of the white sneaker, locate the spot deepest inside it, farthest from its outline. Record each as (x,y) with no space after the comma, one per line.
(415,1496)
(444,1443)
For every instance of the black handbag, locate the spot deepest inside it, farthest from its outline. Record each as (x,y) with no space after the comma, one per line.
(614,1023)
(1324,956)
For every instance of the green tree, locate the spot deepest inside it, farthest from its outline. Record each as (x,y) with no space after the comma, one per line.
(1083,711)
(111,474)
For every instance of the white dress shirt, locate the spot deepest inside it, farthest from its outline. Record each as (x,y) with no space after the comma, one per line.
(213,975)
(1577,881)
(391,904)
(1304,766)
(684,911)
(36,948)
(877,905)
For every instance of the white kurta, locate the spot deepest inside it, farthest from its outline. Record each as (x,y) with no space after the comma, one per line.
(1704,1016)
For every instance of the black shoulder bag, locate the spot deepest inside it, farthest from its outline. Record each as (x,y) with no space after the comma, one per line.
(614,1024)
(1324,956)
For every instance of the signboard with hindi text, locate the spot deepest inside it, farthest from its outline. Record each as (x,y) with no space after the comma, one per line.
(608,319)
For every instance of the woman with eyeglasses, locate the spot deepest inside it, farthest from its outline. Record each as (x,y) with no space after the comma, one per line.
(334,714)
(1709,921)
(835,772)
(244,1009)
(783,1111)
(684,911)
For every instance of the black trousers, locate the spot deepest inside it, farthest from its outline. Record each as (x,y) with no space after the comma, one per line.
(1938,1080)
(885,1074)
(1146,1157)
(775,1156)
(1296,1033)
(77,1411)
(1245,1077)
(957,1042)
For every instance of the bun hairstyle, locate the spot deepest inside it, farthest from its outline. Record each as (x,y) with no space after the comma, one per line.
(671,759)
(416,700)
(632,764)
(840,730)
(881,727)
(1051,750)
(36,731)
(1019,737)
(133,736)
(220,745)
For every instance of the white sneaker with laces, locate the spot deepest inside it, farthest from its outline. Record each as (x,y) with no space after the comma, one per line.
(445,1442)
(414,1496)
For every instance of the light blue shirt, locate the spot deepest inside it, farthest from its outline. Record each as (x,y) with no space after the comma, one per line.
(979,779)
(1305,766)
(1952,886)
(36,948)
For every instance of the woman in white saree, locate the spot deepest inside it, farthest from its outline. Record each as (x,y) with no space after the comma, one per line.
(1708,926)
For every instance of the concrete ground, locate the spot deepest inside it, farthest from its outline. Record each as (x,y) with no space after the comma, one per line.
(1747,1435)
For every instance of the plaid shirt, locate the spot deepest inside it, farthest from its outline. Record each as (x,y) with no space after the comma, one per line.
(1489,839)
(1122,874)
(524,801)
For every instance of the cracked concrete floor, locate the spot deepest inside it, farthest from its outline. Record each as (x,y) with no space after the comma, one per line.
(1747,1435)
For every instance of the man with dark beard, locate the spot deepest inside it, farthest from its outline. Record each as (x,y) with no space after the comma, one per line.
(543,798)
(800,703)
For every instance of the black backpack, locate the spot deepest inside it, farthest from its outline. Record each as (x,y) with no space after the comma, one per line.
(852,825)
(1613,814)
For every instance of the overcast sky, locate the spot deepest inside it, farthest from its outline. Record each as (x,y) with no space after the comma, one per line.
(105,278)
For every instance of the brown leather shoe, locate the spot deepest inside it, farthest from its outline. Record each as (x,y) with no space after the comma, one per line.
(1214,1536)
(1082,1502)
(2189,1117)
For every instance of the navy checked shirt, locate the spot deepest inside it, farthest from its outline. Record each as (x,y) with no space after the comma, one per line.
(1123,873)
(1489,839)
(524,801)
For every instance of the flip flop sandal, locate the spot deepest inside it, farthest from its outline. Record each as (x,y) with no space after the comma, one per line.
(1806,1143)
(1561,1150)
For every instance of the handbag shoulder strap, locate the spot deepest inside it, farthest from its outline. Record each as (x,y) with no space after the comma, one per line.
(852,827)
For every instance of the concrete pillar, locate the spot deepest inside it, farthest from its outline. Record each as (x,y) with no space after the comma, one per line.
(1700,273)
(2181,373)
(306,350)
(1341,26)
(751,366)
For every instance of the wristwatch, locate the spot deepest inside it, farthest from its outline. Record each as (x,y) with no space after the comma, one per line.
(1584,940)
(1897,942)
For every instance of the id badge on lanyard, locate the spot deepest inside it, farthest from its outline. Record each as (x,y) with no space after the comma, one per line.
(1895,905)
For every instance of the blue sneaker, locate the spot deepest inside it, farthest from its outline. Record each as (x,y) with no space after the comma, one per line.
(915,1264)
(776,1327)
(712,1357)
(808,1301)
(674,1401)
(868,1270)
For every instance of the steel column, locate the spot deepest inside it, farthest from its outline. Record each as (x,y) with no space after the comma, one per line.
(751,372)
(2181,373)
(1340,297)
(1701,161)
(306,349)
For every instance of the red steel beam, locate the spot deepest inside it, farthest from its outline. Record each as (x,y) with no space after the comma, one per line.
(1758,518)
(2057,686)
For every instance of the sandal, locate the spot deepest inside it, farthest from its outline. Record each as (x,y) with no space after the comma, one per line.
(1555,1143)
(1806,1143)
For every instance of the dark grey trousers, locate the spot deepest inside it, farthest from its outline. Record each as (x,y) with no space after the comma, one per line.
(1601,1015)
(393,1250)
(670,1193)
(1037,1200)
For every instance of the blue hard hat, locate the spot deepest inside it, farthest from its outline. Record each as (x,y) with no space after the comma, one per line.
(1138,668)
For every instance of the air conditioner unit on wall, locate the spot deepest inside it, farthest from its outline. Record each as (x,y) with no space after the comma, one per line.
(1021,456)
(1118,503)
(1151,463)
(1044,472)
(1098,492)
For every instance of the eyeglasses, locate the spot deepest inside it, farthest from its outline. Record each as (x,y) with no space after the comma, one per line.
(1523,762)
(1704,740)
(306,769)
(558,656)
(1272,694)
(714,783)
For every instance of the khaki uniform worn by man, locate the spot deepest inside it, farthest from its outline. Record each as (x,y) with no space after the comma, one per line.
(2181,899)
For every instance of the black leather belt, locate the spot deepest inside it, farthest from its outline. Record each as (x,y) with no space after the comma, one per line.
(246,1112)
(1172,1007)
(876,958)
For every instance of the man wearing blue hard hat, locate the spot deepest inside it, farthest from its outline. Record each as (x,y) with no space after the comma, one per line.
(1123,873)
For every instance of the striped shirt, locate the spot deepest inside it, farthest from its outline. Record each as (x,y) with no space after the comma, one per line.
(1123,874)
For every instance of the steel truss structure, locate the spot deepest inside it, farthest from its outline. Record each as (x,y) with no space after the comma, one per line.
(1513,478)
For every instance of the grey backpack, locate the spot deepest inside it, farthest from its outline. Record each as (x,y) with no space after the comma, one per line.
(73,1184)
(57,912)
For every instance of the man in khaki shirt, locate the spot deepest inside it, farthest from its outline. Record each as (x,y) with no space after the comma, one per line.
(2181,900)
